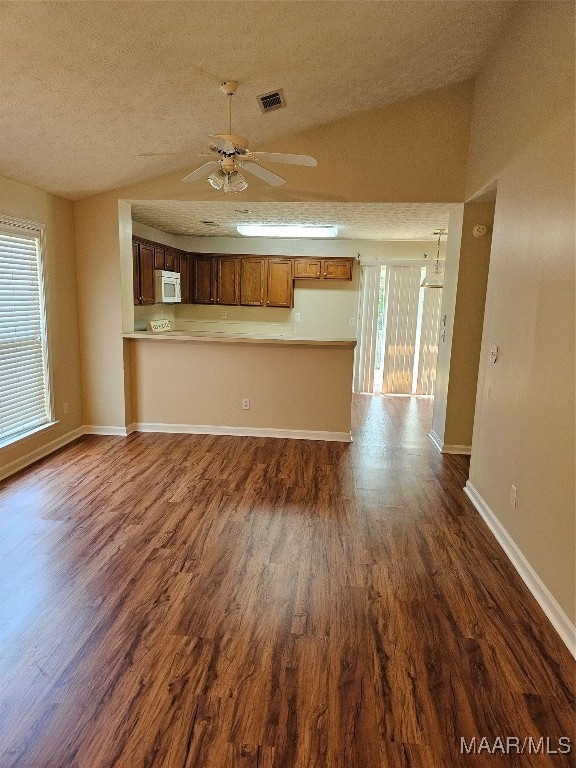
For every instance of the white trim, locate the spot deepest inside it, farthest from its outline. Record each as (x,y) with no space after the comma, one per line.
(462,450)
(544,597)
(39,453)
(209,429)
(96,429)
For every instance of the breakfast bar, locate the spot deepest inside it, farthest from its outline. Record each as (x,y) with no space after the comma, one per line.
(241,384)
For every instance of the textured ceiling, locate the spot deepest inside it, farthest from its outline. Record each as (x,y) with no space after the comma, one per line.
(85,86)
(366,221)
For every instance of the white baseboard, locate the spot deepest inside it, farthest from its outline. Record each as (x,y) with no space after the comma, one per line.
(544,597)
(464,450)
(39,453)
(91,429)
(208,429)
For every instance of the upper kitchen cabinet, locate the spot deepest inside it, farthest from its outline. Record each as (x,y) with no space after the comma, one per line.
(203,279)
(337,269)
(307,269)
(227,280)
(184,269)
(279,285)
(159,256)
(143,257)
(252,281)
(323,269)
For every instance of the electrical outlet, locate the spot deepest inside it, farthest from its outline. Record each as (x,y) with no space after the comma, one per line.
(296,317)
(513,496)
(65,407)
(224,315)
(351,322)
(246,404)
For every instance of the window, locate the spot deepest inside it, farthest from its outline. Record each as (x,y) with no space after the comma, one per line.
(24,382)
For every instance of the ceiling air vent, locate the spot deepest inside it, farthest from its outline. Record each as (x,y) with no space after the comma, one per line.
(271,101)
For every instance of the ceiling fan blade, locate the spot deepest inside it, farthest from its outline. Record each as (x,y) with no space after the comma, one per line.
(222,144)
(201,172)
(262,173)
(156,154)
(281,157)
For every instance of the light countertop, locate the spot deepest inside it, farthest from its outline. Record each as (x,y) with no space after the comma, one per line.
(210,337)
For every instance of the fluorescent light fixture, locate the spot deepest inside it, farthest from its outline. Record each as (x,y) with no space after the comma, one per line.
(285,230)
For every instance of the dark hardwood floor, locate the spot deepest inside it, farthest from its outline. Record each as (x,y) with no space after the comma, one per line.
(183,601)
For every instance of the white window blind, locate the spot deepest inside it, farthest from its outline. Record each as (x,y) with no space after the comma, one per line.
(428,344)
(401,321)
(24,391)
(368,329)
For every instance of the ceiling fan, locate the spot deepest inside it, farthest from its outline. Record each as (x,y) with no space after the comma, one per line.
(231,154)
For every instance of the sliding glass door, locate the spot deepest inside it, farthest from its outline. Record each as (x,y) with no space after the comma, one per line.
(398,332)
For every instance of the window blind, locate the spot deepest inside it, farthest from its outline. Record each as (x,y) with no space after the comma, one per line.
(24,392)
(400,342)
(368,329)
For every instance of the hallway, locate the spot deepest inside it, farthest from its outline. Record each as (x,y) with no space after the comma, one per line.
(182,601)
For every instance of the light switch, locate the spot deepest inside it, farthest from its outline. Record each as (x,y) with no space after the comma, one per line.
(493,353)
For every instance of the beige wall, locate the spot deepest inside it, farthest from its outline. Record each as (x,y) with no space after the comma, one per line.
(451,266)
(527,82)
(525,420)
(24,202)
(198,384)
(463,306)
(101,310)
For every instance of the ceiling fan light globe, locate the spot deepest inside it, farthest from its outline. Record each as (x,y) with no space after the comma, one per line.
(235,182)
(217,179)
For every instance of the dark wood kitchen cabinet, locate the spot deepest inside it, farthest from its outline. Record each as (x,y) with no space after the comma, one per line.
(252,281)
(143,275)
(337,269)
(307,269)
(279,285)
(203,279)
(323,269)
(184,269)
(227,280)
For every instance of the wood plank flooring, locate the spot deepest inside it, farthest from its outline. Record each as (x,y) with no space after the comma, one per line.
(183,601)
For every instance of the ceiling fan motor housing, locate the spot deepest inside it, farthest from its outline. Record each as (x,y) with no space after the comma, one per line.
(228,87)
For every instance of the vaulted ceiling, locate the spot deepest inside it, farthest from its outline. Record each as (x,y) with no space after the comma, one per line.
(86,86)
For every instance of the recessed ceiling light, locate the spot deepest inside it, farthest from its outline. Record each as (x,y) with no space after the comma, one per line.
(285,230)
(238,211)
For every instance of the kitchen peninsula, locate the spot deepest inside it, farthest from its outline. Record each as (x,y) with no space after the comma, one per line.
(241,384)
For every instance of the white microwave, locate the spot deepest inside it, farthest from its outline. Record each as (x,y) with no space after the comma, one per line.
(167,287)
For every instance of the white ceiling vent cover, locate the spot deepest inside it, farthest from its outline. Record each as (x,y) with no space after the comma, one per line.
(270,101)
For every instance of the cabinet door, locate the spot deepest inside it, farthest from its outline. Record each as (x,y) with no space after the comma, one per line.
(176,257)
(146,259)
(228,280)
(252,281)
(169,260)
(184,278)
(203,279)
(159,256)
(307,269)
(280,289)
(337,269)
(135,273)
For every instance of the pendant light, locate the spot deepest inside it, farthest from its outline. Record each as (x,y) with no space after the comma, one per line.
(436,278)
